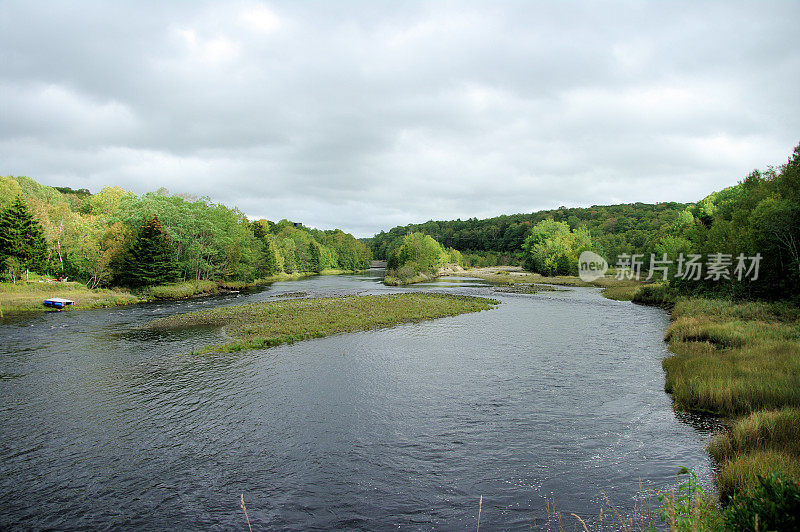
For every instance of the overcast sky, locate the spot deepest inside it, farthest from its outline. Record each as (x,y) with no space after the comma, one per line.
(366,115)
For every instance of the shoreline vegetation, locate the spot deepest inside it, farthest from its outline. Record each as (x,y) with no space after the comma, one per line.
(740,361)
(28,296)
(157,246)
(272,323)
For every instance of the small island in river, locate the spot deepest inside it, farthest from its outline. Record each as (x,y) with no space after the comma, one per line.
(260,325)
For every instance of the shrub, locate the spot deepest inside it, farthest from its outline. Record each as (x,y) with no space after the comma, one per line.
(774,504)
(658,294)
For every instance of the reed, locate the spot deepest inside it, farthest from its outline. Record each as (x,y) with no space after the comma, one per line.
(245,513)
(480,507)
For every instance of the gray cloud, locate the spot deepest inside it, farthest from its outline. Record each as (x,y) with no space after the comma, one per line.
(365,115)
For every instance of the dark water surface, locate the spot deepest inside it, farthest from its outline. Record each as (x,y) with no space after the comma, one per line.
(553,395)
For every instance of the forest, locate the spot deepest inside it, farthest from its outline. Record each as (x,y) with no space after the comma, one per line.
(747,237)
(617,229)
(115,237)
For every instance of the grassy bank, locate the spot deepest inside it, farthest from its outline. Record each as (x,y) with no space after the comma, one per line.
(25,297)
(260,325)
(391,280)
(740,361)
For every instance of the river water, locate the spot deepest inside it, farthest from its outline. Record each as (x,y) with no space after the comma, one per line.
(556,395)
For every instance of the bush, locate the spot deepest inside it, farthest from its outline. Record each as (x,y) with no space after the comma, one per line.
(655,294)
(774,504)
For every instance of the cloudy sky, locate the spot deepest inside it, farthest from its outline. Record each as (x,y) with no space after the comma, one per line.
(366,115)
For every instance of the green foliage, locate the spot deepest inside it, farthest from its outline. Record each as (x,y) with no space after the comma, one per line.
(9,191)
(552,248)
(774,504)
(418,256)
(615,229)
(454,257)
(13,269)
(151,258)
(761,214)
(484,259)
(688,509)
(22,237)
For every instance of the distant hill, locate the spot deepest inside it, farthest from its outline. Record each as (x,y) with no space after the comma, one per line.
(623,228)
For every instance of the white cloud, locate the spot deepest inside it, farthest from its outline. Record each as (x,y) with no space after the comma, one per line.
(211,50)
(364,115)
(260,19)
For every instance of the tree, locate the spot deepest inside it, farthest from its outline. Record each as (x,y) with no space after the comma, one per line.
(94,249)
(271,261)
(553,249)
(22,237)
(151,259)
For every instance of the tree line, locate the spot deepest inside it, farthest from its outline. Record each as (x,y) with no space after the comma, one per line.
(626,228)
(116,237)
(744,240)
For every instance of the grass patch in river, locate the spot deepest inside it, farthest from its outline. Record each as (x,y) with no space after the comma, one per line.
(526,289)
(260,325)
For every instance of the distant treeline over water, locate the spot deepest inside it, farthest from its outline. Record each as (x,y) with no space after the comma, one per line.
(116,237)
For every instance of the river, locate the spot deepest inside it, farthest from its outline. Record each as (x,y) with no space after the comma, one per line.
(556,395)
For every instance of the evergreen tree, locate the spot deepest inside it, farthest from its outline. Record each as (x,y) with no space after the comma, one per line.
(22,237)
(151,259)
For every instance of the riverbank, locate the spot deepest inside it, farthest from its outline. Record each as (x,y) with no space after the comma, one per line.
(406,277)
(260,325)
(740,361)
(28,297)
(187,289)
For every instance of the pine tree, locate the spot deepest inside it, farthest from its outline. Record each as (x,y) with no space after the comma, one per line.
(151,259)
(22,237)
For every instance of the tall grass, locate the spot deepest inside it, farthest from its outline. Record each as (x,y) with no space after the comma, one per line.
(757,444)
(777,430)
(742,471)
(740,360)
(731,366)
(656,294)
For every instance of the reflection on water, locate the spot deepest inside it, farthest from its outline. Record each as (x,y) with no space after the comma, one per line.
(554,394)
